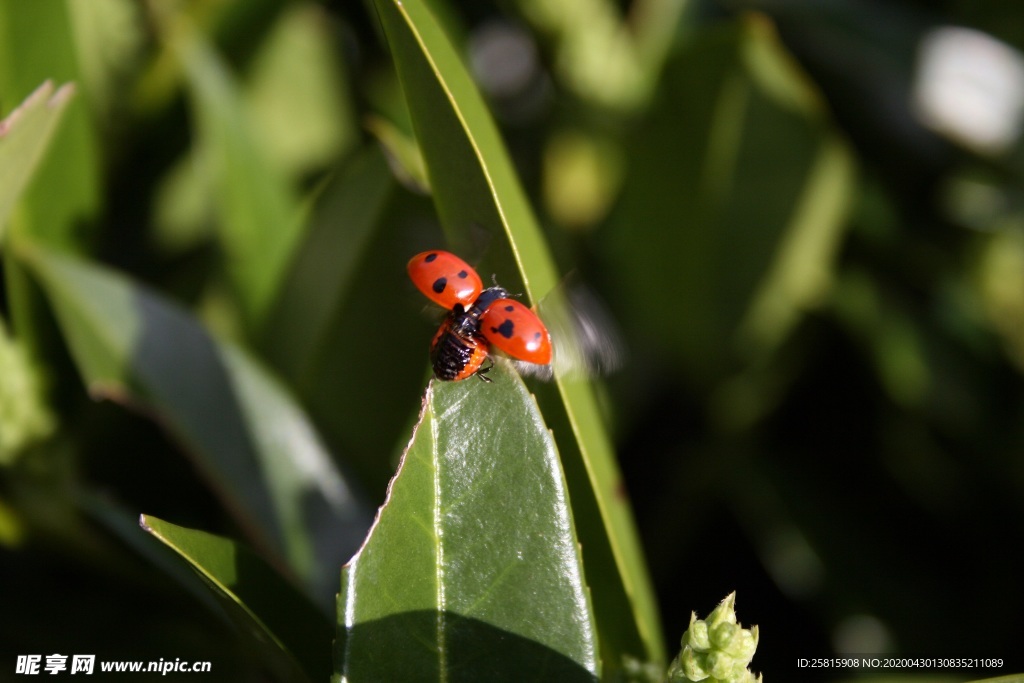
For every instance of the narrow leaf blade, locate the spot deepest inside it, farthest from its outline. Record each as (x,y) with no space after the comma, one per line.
(265,606)
(24,137)
(476,192)
(38,42)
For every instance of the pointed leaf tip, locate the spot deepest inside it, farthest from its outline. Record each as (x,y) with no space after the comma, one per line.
(473,564)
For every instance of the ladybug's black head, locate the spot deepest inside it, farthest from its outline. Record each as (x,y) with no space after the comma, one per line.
(489,296)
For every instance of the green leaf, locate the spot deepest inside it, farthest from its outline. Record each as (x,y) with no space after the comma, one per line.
(295,91)
(246,433)
(477,194)
(801,273)
(403,153)
(801,270)
(347,270)
(594,52)
(37,44)
(472,571)
(122,522)
(734,208)
(259,217)
(322,274)
(473,183)
(24,137)
(25,417)
(265,607)
(108,35)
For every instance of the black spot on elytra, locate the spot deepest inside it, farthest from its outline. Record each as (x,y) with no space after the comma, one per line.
(463,274)
(510,308)
(536,335)
(505,329)
(429,258)
(439,284)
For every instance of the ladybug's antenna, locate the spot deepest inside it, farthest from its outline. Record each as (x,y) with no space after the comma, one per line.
(494,279)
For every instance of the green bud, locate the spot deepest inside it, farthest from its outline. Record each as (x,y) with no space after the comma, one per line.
(720,664)
(694,666)
(696,636)
(716,650)
(745,645)
(725,613)
(723,636)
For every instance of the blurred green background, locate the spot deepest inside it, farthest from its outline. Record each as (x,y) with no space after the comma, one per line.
(805,217)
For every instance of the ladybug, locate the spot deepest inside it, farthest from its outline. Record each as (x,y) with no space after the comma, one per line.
(479,318)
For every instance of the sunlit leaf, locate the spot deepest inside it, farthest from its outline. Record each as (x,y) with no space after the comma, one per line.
(479,198)
(37,43)
(24,137)
(472,571)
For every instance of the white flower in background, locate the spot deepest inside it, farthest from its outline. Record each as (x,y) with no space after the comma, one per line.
(970,88)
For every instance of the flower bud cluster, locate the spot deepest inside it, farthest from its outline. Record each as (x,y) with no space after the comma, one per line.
(716,650)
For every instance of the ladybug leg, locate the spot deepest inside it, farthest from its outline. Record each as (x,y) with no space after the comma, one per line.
(482,372)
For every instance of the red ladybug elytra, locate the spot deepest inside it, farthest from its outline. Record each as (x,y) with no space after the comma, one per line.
(479,318)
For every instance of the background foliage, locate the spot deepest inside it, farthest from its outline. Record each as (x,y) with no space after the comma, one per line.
(819,282)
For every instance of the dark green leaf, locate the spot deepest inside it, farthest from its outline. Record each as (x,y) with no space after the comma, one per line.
(348,333)
(472,571)
(321,277)
(266,608)
(735,205)
(247,434)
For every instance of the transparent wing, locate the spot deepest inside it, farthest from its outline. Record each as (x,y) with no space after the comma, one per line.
(584,337)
